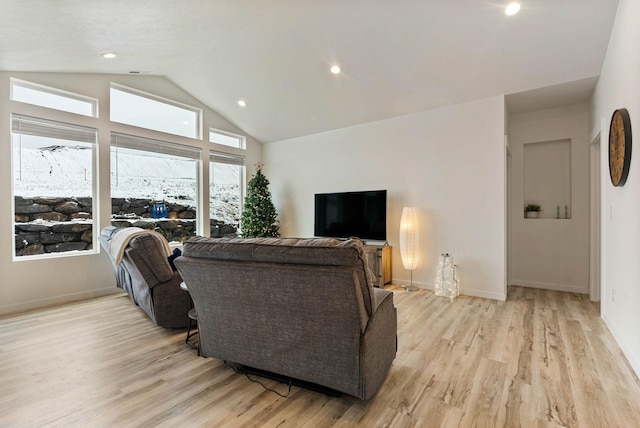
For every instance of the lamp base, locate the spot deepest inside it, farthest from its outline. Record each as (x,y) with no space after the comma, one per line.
(410,287)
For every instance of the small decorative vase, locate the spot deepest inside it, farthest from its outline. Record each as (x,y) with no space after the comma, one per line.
(532,214)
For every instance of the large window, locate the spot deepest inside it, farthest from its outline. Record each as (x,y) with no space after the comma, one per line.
(226,184)
(45,96)
(137,108)
(154,184)
(53,182)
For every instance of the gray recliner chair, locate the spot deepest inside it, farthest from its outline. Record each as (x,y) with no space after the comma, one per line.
(147,277)
(303,309)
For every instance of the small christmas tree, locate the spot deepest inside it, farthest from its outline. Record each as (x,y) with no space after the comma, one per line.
(259,217)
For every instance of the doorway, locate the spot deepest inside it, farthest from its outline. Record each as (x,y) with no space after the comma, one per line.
(550,170)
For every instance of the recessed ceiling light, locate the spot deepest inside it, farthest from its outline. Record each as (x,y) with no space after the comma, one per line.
(512,8)
(108,55)
(242,103)
(335,69)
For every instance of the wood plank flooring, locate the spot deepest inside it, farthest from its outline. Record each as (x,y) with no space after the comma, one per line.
(540,359)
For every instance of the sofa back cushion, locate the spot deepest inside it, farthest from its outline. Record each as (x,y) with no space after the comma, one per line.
(313,251)
(153,255)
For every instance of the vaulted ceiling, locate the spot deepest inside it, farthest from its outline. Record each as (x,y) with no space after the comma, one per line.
(397,57)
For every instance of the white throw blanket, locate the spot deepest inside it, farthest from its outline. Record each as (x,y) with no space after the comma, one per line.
(121,239)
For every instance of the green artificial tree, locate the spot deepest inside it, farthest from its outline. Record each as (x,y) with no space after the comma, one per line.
(259,217)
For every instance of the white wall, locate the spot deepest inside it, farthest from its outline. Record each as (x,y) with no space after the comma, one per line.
(449,163)
(550,253)
(619,86)
(31,283)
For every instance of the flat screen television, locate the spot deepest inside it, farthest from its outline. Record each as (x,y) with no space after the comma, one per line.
(351,214)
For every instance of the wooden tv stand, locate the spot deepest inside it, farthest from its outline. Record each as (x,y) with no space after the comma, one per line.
(379,259)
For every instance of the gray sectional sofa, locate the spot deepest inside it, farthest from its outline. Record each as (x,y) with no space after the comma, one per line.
(301,308)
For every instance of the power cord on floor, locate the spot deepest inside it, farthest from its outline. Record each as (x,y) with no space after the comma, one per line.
(239,370)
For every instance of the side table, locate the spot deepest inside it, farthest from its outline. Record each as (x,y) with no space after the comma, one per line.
(192,329)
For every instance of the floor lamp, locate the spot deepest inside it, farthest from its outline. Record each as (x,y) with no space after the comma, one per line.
(409,241)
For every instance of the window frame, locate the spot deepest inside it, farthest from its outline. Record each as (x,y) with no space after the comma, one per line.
(231,159)
(162,148)
(197,127)
(48,90)
(95,220)
(242,140)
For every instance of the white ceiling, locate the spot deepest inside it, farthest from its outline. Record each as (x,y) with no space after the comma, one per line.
(398,57)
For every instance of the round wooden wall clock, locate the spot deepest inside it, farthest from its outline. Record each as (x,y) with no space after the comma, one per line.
(619,147)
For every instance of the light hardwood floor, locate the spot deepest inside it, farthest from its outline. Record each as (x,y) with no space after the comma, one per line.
(541,359)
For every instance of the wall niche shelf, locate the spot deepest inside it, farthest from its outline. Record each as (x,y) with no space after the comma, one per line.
(529,218)
(547,178)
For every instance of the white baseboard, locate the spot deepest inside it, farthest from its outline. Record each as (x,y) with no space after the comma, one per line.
(57,300)
(634,360)
(464,291)
(404,283)
(551,286)
(487,295)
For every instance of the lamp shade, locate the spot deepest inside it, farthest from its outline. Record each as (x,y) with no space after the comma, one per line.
(409,238)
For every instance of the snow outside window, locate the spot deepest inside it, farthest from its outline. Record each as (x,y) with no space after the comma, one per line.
(226,185)
(154,184)
(53,186)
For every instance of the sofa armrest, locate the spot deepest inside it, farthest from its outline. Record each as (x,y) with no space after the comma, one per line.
(379,344)
(380,296)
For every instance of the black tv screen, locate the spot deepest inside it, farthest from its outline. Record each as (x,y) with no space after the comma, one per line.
(351,214)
